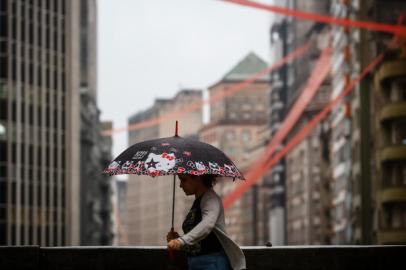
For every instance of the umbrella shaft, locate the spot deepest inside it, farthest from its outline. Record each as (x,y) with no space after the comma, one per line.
(173,200)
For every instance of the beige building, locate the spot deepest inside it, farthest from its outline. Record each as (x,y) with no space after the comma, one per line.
(39,123)
(259,203)
(307,182)
(234,125)
(286,35)
(149,200)
(306,193)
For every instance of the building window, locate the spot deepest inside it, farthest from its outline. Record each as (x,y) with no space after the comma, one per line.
(246,136)
(3,155)
(3,24)
(3,195)
(403,174)
(402,90)
(246,107)
(3,67)
(230,135)
(398,133)
(230,151)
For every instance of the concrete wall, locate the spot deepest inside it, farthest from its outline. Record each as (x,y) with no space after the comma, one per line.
(282,258)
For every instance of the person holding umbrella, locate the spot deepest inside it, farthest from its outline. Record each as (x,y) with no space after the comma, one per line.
(205,241)
(197,165)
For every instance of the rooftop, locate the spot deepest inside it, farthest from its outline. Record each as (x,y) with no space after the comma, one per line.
(246,68)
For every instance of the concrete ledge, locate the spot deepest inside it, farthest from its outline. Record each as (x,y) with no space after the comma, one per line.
(25,257)
(65,258)
(325,257)
(283,258)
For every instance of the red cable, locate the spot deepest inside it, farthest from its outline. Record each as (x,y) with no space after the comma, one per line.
(394,29)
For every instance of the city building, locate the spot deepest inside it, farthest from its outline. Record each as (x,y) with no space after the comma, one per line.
(307,200)
(95,149)
(280,46)
(388,111)
(360,134)
(260,192)
(344,132)
(120,212)
(305,181)
(40,123)
(295,182)
(235,122)
(149,200)
(390,127)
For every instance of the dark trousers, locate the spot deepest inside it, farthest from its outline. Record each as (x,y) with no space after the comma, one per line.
(213,261)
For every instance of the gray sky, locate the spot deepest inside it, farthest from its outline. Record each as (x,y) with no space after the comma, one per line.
(152,48)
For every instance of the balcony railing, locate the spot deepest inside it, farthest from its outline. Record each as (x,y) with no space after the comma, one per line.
(390,194)
(392,111)
(388,70)
(282,258)
(393,153)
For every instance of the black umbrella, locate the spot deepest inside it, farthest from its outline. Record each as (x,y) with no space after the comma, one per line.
(172,156)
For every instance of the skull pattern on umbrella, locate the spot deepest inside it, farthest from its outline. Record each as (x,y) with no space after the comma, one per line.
(173,155)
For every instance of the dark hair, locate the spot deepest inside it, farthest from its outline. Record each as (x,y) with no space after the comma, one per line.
(209,180)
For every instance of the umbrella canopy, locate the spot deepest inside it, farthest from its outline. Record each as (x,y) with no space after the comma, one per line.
(173,155)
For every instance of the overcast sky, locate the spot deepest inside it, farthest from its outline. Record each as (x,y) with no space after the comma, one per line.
(151,49)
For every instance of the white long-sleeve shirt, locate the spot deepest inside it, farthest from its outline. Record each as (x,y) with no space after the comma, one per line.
(213,220)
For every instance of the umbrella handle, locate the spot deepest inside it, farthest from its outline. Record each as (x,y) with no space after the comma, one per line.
(171,252)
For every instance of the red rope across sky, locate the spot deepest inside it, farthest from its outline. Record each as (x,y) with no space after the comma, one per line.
(267,161)
(380,27)
(398,30)
(319,73)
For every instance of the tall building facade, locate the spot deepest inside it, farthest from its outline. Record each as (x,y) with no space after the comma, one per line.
(360,212)
(39,105)
(307,197)
(305,181)
(149,201)
(280,46)
(295,197)
(345,67)
(388,91)
(95,149)
(235,121)
(260,192)
(390,128)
